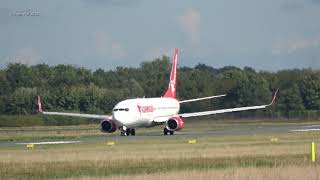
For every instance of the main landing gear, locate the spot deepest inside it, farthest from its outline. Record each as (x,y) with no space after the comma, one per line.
(166,131)
(127,131)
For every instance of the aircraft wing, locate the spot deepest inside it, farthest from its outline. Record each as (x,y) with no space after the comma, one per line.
(220,111)
(200,99)
(95,116)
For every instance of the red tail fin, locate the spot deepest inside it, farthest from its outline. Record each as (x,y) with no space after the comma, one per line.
(171,91)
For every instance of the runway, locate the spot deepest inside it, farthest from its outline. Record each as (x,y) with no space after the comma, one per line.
(228,131)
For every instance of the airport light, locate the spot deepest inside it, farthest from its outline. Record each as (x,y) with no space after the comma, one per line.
(313,152)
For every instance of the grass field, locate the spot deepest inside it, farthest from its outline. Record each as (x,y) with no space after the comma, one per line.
(212,157)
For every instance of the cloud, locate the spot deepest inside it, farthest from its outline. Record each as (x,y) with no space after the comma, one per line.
(291,46)
(190,22)
(107,47)
(27,56)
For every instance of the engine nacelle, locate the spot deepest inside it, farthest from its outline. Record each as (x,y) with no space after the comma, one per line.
(108,125)
(174,124)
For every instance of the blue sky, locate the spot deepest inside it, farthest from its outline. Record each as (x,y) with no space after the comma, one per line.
(266,35)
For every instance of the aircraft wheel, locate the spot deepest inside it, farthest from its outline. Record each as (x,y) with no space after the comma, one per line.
(128,132)
(165,131)
(133,132)
(171,132)
(122,133)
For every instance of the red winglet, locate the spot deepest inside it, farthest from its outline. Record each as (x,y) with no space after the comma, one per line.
(172,88)
(274,97)
(39,104)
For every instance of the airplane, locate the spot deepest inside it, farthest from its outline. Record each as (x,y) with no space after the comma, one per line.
(149,112)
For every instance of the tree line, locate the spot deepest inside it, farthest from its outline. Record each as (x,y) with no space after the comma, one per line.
(76,89)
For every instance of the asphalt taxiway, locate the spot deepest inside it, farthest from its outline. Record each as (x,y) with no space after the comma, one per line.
(232,131)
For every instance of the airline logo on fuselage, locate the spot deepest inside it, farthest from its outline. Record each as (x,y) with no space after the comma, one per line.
(145,109)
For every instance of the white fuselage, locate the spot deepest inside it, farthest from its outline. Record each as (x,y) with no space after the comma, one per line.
(142,112)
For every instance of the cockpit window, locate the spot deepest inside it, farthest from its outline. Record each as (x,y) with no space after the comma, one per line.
(121,109)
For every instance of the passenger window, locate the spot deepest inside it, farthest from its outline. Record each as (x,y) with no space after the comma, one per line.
(115,110)
(126,109)
(121,109)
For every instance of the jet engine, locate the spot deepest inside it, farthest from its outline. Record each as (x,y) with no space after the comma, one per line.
(174,123)
(108,126)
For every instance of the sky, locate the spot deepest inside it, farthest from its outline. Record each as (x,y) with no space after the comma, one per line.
(266,35)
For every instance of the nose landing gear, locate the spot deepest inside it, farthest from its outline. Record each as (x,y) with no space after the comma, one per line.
(127,131)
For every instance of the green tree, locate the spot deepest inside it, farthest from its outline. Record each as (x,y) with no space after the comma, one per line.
(290,99)
(22,101)
(155,76)
(18,75)
(310,89)
(251,89)
(5,84)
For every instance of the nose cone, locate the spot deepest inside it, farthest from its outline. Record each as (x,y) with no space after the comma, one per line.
(123,118)
(123,113)
(120,118)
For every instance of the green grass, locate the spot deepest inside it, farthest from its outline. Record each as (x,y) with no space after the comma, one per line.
(50,170)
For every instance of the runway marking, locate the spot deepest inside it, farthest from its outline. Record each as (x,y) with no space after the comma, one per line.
(304,130)
(315,125)
(51,142)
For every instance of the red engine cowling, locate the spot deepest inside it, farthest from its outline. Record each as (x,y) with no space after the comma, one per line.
(174,124)
(108,125)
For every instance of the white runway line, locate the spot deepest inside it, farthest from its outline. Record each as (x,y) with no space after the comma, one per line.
(304,130)
(309,126)
(51,142)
